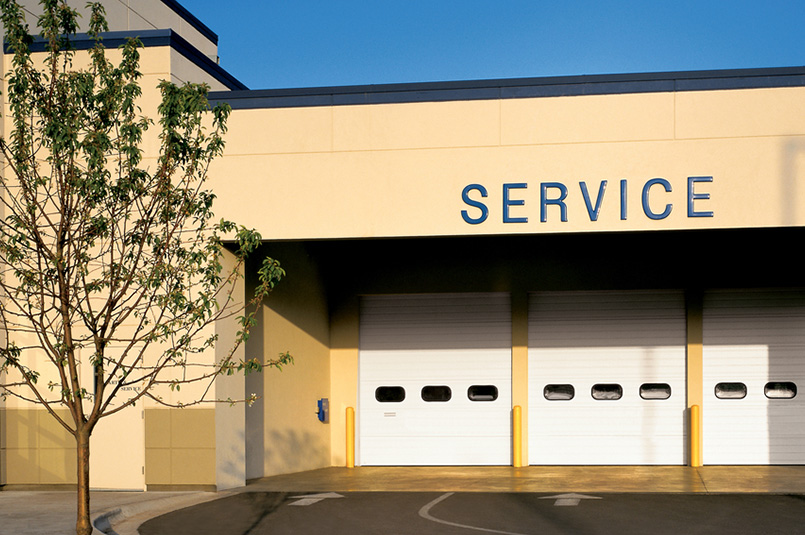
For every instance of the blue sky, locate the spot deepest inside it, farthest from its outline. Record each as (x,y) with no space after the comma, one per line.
(306,43)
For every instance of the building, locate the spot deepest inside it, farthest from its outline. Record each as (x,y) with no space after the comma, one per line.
(603,252)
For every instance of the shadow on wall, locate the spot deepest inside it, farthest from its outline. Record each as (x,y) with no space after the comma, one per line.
(776,320)
(294,451)
(255,414)
(36,449)
(300,297)
(230,472)
(793,153)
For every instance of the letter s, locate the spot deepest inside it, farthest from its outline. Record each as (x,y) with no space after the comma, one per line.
(465,196)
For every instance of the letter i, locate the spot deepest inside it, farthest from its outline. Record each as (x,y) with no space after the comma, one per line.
(623,200)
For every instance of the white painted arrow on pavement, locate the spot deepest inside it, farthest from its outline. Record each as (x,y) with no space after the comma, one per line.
(310,499)
(569,499)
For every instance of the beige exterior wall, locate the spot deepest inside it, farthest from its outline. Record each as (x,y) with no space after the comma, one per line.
(201,446)
(694,353)
(399,169)
(519,300)
(182,447)
(344,336)
(3,432)
(183,70)
(230,418)
(283,433)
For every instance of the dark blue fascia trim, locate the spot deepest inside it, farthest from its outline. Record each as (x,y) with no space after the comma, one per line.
(192,20)
(182,46)
(556,86)
(150,38)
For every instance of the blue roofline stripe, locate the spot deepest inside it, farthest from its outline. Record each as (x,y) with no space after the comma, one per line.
(555,86)
(151,38)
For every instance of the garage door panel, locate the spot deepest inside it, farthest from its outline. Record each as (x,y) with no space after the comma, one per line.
(418,341)
(429,366)
(754,337)
(434,422)
(417,322)
(633,422)
(570,450)
(607,338)
(439,452)
(611,362)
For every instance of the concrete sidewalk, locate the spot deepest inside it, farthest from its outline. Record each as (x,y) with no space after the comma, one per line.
(32,512)
(51,512)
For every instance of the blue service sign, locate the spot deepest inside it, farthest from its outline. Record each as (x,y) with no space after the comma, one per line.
(553,200)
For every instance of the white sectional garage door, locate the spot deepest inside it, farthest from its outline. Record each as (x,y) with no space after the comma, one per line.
(754,362)
(606,378)
(435,380)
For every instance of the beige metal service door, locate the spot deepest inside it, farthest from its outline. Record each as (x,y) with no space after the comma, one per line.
(117,454)
(435,380)
(754,366)
(606,378)
(117,444)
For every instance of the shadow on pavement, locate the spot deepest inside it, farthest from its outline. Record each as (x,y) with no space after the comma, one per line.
(233,515)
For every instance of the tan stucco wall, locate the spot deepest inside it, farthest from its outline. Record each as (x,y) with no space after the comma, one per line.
(695,357)
(180,448)
(283,432)
(519,300)
(183,70)
(3,470)
(156,64)
(399,169)
(344,338)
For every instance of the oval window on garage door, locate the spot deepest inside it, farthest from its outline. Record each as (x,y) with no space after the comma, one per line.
(436,393)
(559,392)
(780,390)
(390,394)
(655,391)
(482,393)
(730,390)
(607,392)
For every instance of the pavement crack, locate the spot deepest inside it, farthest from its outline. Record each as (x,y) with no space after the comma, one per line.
(699,473)
(266,511)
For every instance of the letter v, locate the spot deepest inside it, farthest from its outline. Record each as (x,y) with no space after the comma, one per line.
(593,211)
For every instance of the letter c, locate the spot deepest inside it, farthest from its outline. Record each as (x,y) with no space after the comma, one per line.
(646,208)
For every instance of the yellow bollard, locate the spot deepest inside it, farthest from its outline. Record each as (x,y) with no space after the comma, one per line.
(350,437)
(517,436)
(695,436)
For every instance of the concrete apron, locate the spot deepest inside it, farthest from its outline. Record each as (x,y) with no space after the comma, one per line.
(643,479)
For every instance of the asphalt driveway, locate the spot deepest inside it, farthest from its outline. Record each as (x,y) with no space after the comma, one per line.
(448,513)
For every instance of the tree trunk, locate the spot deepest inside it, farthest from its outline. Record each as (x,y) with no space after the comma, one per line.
(83,525)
